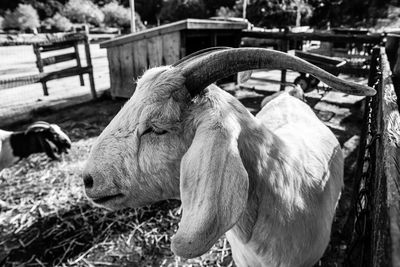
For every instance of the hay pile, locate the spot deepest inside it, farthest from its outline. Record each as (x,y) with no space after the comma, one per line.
(45,219)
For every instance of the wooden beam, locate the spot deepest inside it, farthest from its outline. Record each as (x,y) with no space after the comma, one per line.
(64,73)
(319,36)
(42,39)
(191,24)
(57,59)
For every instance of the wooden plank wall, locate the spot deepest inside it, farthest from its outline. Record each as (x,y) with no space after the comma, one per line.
(115,72)
(126,68)
(171,47)
(391,157)
(127,62)
(155,45)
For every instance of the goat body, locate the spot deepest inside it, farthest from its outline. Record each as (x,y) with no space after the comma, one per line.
(296,166)
(38,137)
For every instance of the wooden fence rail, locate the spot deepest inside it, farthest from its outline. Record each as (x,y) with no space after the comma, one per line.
(327,37)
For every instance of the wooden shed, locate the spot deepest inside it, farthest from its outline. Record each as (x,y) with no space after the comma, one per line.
(131,54)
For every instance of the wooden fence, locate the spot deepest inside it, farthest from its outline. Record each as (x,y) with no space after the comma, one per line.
(375,214)
(51,42)
(388,171)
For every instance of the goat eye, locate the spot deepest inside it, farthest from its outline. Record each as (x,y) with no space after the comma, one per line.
(155,131)
(159,131)
(148,130)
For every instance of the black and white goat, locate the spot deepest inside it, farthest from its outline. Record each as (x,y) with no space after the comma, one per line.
(38,137)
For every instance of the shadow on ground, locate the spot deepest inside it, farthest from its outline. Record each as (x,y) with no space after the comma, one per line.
(52,240)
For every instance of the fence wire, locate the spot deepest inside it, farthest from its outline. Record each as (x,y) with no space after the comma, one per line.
(367,242)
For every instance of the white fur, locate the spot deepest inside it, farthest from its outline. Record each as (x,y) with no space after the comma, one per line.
(6,155)
(271,182)
(295,91)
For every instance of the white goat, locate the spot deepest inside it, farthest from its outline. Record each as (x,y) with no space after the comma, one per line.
(271,182)
(38,137)
(295,91)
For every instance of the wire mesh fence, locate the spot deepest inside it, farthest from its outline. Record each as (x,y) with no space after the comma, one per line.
(369,243)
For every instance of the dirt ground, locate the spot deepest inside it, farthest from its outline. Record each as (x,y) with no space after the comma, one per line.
(45,219)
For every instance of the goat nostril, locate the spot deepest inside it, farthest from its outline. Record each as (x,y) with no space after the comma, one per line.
(88,181)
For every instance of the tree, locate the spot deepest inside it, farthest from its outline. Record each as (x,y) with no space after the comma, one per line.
(83,11)
(276,13)
(24,17)
(116,15)
(149,10)
(349,12)
(226,12)
(46,8)
(303,10)
(212,6)
(174,10)
(58,22)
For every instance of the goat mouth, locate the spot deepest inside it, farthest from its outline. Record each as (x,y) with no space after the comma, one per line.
(102,200)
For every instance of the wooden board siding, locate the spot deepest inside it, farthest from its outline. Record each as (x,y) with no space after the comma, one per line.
(140,57)
(129,61)
(127,68)
(115,70)
(155,51)
(171,47)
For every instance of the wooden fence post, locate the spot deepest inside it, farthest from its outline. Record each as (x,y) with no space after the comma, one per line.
(39,64)
(284,48)
(90,66)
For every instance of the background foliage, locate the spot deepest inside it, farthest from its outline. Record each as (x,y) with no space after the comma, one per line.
(22,18)
(83,11)
(263,13)
(116,15)
(58,23)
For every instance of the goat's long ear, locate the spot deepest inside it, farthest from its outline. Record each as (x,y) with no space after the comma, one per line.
(214,189)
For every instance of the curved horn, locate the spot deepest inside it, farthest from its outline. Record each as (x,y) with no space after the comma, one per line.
(202,52)
(36,125)
(211,67)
